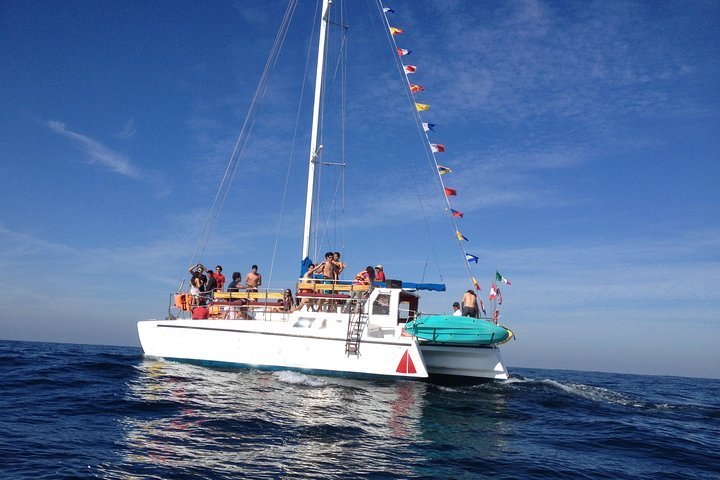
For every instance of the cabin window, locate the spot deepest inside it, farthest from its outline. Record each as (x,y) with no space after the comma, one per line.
(381,305)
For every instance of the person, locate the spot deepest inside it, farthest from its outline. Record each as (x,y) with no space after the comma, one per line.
(328,268)
(253,280)
(363,277)
(469,304)
(219,278)
(339,266)
(456,309)
(210,286)
(197,282)
(288,301)
(235,285)
(307,277)
(380,275)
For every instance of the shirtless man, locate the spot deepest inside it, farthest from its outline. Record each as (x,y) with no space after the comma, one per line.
(469,304)
(328,267)
(253,280)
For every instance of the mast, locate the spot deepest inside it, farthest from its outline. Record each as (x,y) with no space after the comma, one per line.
(314,148)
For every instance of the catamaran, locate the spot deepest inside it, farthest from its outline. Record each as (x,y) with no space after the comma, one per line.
(342,327)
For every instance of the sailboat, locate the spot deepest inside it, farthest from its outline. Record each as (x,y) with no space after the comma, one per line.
(342,327)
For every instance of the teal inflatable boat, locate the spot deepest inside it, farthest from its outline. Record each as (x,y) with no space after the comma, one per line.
(458,330)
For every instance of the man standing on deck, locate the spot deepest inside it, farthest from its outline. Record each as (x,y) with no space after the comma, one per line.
(219,278)
(253,280)
(469,304)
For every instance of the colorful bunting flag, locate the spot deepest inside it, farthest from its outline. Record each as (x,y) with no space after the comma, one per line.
(403,51)
(455,213)
(421,107)
(396,31)
(500,278)
(436,147)
(471,258)
(460,236)
(428,126)
(475,284)
(492,292)
(409,69)
(416,88)
(449,192)
(443,170)
(388,10)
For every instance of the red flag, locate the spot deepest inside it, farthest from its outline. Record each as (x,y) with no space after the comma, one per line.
(493,291)
(416,88)
(450,192)
(437,147)
(455,213)
(410,68)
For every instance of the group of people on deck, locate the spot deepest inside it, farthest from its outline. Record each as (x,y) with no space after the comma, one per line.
(204,283)
(332,267)
(329,271)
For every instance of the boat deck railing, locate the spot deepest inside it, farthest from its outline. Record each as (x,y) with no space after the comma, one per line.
(228,305)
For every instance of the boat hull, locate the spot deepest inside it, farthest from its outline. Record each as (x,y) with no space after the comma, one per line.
(278,345)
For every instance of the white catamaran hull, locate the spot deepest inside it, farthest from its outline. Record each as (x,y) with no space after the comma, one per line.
(273,344)
(286,342)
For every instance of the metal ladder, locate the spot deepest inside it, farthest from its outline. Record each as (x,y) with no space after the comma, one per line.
(356,324)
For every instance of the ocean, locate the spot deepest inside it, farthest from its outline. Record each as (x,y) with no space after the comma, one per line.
(80,411)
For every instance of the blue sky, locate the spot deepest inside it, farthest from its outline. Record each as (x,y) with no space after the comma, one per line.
(582,137)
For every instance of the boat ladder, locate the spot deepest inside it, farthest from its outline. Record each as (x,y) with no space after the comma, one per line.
(356,323)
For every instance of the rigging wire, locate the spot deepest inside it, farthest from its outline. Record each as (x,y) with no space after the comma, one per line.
(424,135)
(292,148)
(242,139)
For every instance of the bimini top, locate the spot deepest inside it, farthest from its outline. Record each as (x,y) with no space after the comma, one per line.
(432,287)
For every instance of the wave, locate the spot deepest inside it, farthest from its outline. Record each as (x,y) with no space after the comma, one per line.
(297,378)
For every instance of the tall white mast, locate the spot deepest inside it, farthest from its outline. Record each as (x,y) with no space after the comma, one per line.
(314,149)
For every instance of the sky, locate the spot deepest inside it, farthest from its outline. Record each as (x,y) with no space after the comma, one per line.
(582,138)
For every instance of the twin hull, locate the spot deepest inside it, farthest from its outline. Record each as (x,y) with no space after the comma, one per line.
(285,343)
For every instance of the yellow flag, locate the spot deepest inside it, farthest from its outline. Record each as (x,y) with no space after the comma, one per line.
(421,106)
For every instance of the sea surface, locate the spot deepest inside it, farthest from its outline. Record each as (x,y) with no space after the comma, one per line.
(79,411)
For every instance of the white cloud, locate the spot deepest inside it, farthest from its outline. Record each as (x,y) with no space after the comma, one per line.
(98,153)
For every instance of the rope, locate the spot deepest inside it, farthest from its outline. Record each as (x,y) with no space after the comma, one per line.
(292,148)
(242,139)
(425,137)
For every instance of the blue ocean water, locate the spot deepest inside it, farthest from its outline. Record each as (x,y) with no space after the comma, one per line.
(78,411)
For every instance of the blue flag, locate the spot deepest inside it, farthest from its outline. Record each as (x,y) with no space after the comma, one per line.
(471,258)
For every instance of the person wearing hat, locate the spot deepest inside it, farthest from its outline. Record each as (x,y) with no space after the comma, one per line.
(379,275)
(456,310)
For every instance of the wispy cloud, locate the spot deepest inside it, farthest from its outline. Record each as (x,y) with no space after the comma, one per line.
(128,130)
(98,153)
